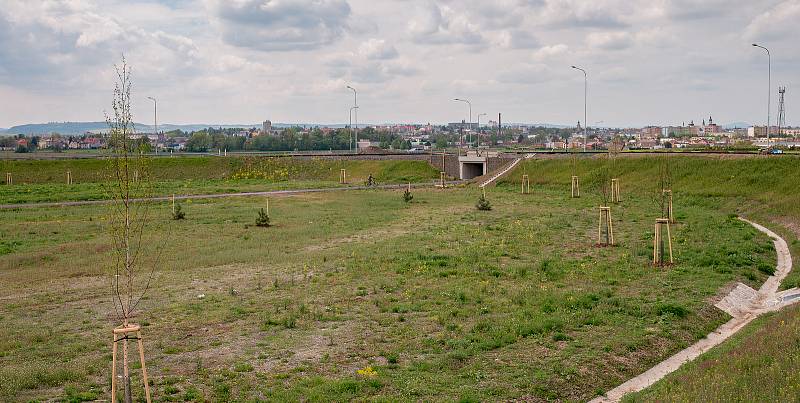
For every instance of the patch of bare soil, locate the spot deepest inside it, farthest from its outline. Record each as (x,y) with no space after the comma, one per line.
(790,224)
(364,236)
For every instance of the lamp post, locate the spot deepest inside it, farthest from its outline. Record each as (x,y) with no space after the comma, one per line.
(470,110)
(355,106)
(479,129)
(585,98)
(769,86)
(351,127)
(155,119)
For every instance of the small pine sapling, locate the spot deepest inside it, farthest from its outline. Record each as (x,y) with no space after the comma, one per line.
(177,213)
(483,203)
(407,196)
(263,219)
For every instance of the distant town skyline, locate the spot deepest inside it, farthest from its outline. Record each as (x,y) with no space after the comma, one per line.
(244,61)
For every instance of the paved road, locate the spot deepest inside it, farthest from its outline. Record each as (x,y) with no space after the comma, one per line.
(221,195)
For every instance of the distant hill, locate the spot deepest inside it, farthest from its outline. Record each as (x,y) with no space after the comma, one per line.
(78,128)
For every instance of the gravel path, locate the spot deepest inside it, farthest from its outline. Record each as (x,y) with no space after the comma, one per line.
(743,303)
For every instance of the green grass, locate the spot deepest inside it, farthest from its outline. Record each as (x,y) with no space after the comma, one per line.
(759,363)
(44,180)
(762,188)
(444,302)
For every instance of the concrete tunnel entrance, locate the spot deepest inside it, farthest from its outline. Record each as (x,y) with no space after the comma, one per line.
(472,165)
(471,170)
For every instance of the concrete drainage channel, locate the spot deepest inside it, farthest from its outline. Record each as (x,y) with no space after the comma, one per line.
(743,303)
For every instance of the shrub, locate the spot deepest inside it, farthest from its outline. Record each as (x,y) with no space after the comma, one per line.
(178,214)
(263,219)
(672,309)
(483,204)
(407,196)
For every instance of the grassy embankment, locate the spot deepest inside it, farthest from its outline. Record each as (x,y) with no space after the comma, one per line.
(44,180)
(442,301)
(760,363)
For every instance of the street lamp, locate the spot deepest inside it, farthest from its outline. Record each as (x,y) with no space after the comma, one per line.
(470,110)
(585,97)
(355,105)
(479,129)
(351,127)
(769,85)
(155,119)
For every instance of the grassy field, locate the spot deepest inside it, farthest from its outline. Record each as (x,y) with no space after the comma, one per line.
(44,180)
(758,187)
(759,363)
(357,295)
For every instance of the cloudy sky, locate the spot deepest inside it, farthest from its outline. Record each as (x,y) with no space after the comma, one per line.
(242,61)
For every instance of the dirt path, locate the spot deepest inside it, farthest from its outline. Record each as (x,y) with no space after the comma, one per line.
(743,303)
(220,195)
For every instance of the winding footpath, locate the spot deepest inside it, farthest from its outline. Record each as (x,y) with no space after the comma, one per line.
(743,303)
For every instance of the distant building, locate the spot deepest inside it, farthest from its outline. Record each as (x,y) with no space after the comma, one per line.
(757,131)
(711,127)
(266,127)
(650,132)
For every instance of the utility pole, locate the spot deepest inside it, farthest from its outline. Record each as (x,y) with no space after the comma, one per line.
(355,106)
(585,102)
(155,119)
(478,143)
(781,110)
(769,86)
(470,110)
(351,127)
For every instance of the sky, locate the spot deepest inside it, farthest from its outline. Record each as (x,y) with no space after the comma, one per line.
(243,61)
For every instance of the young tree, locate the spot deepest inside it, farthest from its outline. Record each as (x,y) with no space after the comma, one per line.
(135,253)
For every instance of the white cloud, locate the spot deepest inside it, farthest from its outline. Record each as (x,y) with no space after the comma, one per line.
(609,40)
(780,21)
(442,24)
(377,49)
(281,25)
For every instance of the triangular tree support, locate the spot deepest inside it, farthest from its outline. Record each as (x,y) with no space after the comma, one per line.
(605,226)
(667,193)
(576,189)
(342,176)
(659,243)
(526,184)
(615,191)
(122,335)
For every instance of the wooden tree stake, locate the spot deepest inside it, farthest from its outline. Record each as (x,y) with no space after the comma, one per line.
(669,213)
(173,204)
(576,190)
(122,334)
(615,191)
(605,220)
(342,176)
(69,177)
(441,180)
(9,179)
(526,184)
(268,206)
(658,253)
